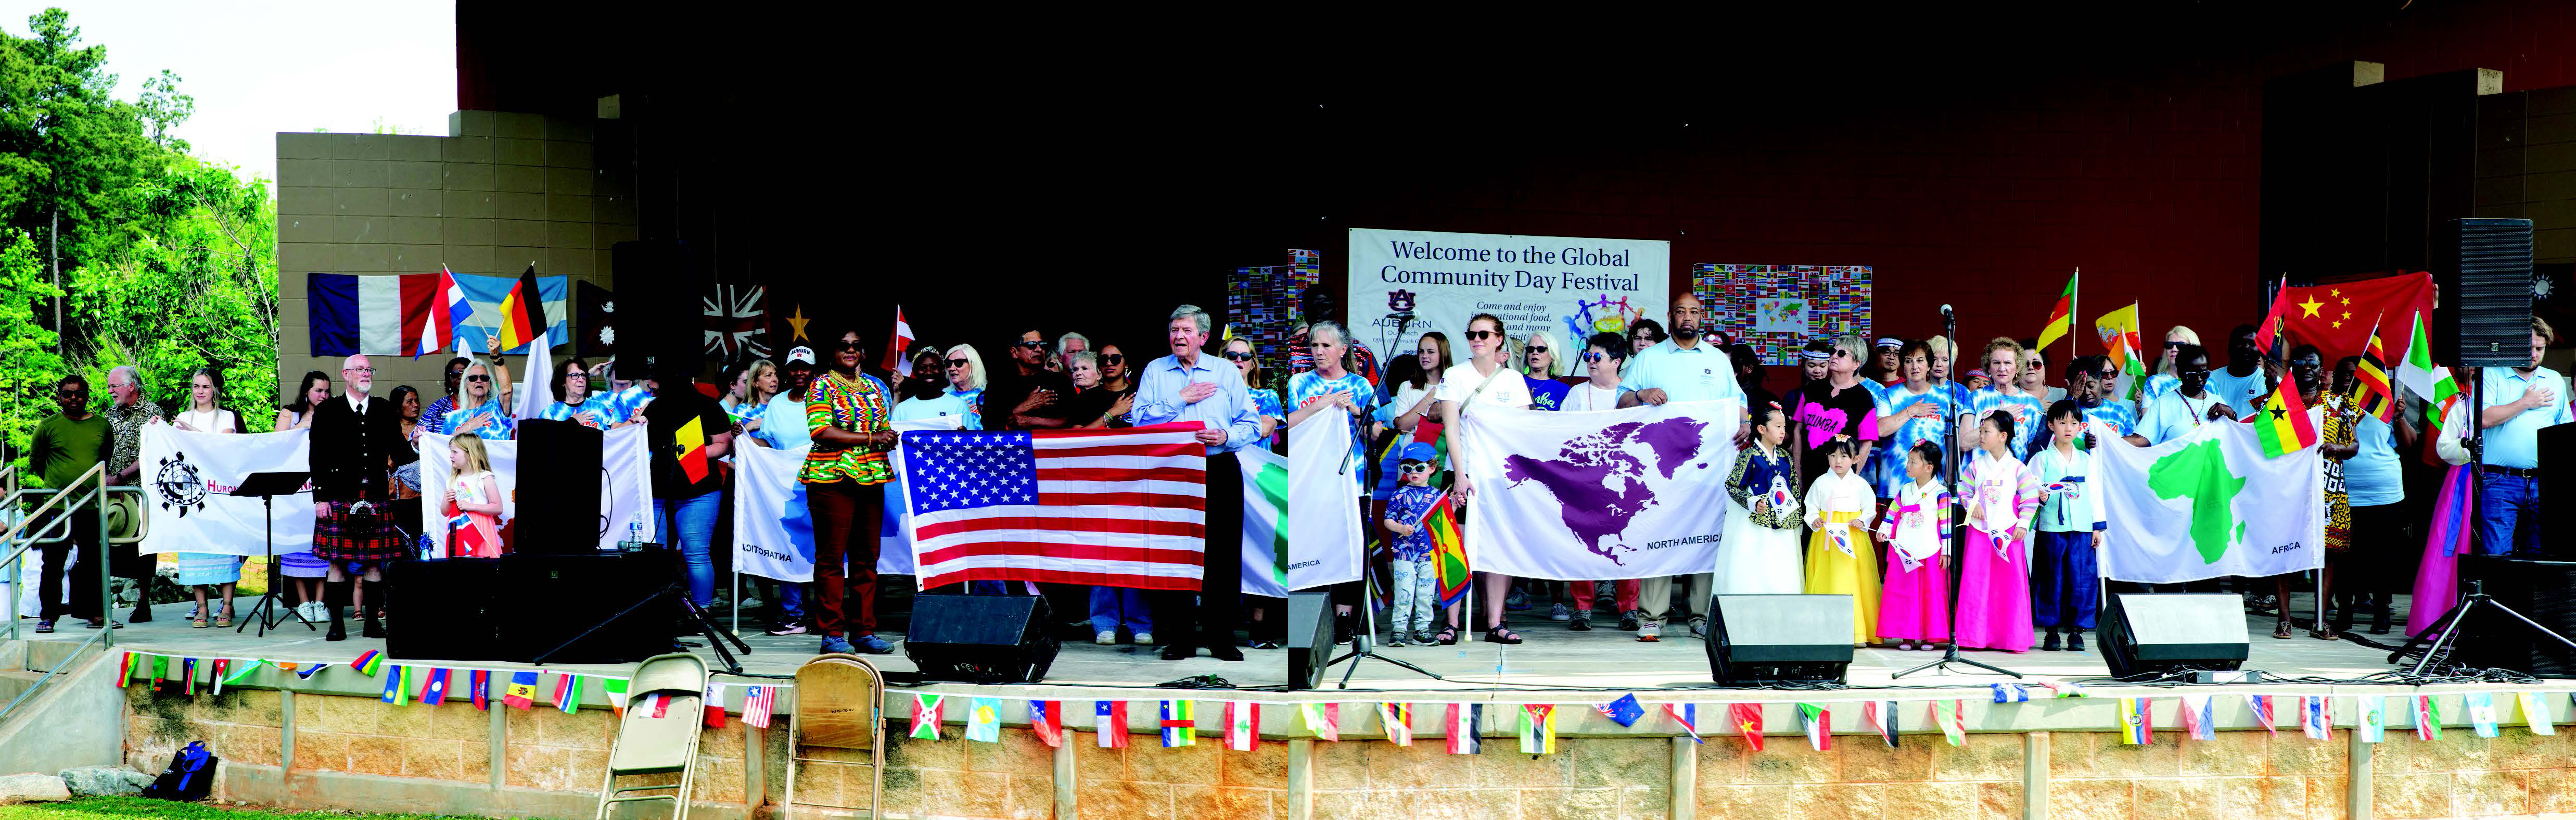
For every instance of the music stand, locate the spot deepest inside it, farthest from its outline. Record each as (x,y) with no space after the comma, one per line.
(266,487)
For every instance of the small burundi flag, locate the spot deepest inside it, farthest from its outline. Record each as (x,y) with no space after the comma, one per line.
(2316,718)
(1109,718)
(2137,721)
(2372,724)
(2198,722)
(368,662)
(1242,725)
(1180,724)
(1625,711)
(1397,719)
(1538,728)
(1323,719)
(925,715)
(2482,714)
(1954,727)
(1818,724)
(1046,717)
(2535,713)
(983,719)
(1881,715)
(2428,718)
(1687,716)
(2262,705)
(2010,692)
(1464,721)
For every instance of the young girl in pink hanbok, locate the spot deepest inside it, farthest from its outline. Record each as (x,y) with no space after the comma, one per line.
(1914,604)
(1994,574)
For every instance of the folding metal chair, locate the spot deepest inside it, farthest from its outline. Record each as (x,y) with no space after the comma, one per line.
(837,696)
(659,734)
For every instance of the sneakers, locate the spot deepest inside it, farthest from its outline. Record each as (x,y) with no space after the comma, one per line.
(833,644)
(1144,639)
(1628,620)
(44,626)
(1425,638)
(1557,612)
(1605,595)
(1698,627)
(312,611)
(2048,643)
(1650,630)
(1105,637)
(874,645)
(789,629)
(2075,641)
(1263,643)
(1397,639)
(1582,621)
(1518,600)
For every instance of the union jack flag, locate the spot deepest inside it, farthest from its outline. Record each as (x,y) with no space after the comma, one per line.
(737,322)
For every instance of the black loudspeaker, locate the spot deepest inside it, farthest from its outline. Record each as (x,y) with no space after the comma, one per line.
(980,638)
(2487,295)
(2544,591)
(2558,446)
(453,604)
(662,286)
(1310,638)
(579,592)
(1756,640)
(558,493)
(2156,634)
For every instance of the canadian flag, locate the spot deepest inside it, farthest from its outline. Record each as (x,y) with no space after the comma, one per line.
(895,360)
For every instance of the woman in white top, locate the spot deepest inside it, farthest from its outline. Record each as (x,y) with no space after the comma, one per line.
(1411,402)
(203,570)
(1603,355)
(1477,383)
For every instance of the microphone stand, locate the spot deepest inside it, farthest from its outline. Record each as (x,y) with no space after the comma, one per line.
(1958,550)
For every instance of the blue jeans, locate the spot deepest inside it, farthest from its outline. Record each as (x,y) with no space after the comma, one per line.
(2508,514)
(1112,607)
(690,525)
(791,603)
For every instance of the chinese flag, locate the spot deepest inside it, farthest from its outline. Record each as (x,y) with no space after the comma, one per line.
(2338,318)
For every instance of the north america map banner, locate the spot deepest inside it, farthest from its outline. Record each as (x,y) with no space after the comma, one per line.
(1633,493)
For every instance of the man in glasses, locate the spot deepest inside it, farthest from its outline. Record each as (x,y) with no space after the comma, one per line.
(66,445)
(353,441)
(127,413)
(1030,397)
(2191,403)
(2089,382)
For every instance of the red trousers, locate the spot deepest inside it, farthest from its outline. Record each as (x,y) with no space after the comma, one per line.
(848,517)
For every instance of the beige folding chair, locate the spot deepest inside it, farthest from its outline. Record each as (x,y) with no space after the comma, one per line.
(651,741)
(837,696)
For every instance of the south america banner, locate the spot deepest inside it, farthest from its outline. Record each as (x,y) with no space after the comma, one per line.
(1633,493)
(2211,504)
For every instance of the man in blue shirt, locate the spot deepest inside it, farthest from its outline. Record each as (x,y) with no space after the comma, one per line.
(1190,386)
(2245,381)
(2519,401)
(1686,366)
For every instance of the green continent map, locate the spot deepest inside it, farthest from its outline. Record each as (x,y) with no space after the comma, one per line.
(2199,473)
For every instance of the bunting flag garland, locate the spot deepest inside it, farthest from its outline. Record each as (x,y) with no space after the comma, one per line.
(1180,724)
(160,670)
(1538,728)
(125,672)
(1046,717)
(2263,713)
(1625,711)
(2010,692)
(656,706)
(1881,715)
(615,690)
(1109,718)
(187,675)
(478,688)
(2372,724)
(2428,718)
(522,692)
(224,678)
(983,719)
(397,686)
(1687,716)
(2535,713)
(1947,715)
(759,701)
(368,662)
(715,711)
(2060,689)
(433,692)
(2482,714)
(2198,722)
(1747,718)
(1397,720)
(1323,719)
(2316,718)
(2137,721)
(1464,722)
(925,715)
(305,671)
(1243,725)
(568,692)
(1819,726)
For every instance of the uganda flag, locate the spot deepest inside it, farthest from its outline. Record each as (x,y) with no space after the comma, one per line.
(523,313)
(2372,389)
(1448,551)
(2283,424)
(2061,319)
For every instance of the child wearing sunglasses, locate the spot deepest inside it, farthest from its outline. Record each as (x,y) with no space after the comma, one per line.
(1417,595)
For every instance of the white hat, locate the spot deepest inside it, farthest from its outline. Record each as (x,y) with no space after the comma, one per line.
(800,354)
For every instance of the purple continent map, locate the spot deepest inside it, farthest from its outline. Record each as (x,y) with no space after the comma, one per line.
(1600,484)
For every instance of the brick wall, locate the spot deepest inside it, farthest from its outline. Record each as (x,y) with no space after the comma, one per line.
(502,190)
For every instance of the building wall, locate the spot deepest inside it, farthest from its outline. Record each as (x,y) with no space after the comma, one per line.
(501,191)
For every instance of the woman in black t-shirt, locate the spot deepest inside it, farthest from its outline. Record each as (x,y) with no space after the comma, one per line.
(1836,406)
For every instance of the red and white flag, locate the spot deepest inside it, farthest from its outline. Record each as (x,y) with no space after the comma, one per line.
(895,360)
(757,703)
(1121,508)
(1242,725)
(431,313)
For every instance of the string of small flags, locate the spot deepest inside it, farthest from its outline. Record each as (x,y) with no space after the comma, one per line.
(409,684)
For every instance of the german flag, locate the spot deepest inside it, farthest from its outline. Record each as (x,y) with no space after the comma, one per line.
(2374,392)
(692,438)
(2283,424)
(1448,551)
(523,313)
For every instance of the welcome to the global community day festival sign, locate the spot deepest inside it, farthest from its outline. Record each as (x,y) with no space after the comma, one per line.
(1403,283)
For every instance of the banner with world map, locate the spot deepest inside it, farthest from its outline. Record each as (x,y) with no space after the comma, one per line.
(2210,504)
(1633,493)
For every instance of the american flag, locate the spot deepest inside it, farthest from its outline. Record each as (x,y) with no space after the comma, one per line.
(1123,508)
(757,702)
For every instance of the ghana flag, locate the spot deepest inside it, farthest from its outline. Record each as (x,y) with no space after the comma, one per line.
(1448,551)
(2283,424)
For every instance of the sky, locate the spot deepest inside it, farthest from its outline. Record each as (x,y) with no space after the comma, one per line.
(258,68)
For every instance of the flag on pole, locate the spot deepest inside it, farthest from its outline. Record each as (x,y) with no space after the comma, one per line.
(2315,718)
(1818,724)
(434,692)
(567,692)
(1323,719)
(1397,720)
(478,688)
(925,715)
(2137,721)
(895,360)
(523,313)
(1625,711)
(2428,718)
(1109,718)
(2372,724)
(1954,726)
(1463,723)
(2482,714)
(2272,319)
(1180,724)
(397,687)
(441,310)
(1448,551)
(1881,715)
(522,692)
(1685,715)
(368,662)
(2061,319)
(2535,713)
(2120,336)
(2371,390)
(2424,378)
(2283,425)
(2010,692)
(2198,723)
(758,702)
(1046,717)
(2262,705)
(1538,728)
(1242,725)
(1747,718)
(983,720)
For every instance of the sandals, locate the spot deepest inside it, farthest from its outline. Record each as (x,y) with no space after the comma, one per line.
(198,622)
(1449,635)
(224,620)
(1503,635)
(2327,634)
(2282,630)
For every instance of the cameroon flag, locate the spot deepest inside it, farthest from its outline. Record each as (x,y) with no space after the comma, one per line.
(692,438)
(2283,425)
(2061,320)
(1448,551)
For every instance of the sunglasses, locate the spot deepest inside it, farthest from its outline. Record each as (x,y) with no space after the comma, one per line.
(1235,356)
(1413,467)
(850,345)
(2173,345)
(2107,375)
(1033,345)
(1481,335)
(1594,357)
(75,394)
(956,362)
(478,378)
(1538,348)
(1113,358)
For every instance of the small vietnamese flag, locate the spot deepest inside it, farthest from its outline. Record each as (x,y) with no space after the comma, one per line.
(2283,424)
(2061,319)
(1747,718)
(692,441)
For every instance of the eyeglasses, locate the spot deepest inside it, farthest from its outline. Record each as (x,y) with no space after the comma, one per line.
(1237,356)
(343,370)
(1538,348)
(1481,335)
(956,362)
(850,345)
(1413,467)
(1033,345)
(1594,357)
(1113,358)
(478,378)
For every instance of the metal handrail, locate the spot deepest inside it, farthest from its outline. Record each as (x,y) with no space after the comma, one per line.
(106,597)
(39,685)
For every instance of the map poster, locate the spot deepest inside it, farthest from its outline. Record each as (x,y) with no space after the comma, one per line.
(1780,315)
(1634,493)
(2211,504)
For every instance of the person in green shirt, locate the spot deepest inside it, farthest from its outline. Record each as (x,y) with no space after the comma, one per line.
(67,444)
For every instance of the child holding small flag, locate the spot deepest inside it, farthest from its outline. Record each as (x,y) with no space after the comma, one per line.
(1915,600)
(1417,601)
(1839,557)
(473,501)
(2065,582)
(1758,552)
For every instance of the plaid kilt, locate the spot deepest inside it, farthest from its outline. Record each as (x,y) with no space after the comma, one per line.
(334,539)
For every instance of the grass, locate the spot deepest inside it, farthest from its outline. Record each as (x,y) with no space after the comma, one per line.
(105,808)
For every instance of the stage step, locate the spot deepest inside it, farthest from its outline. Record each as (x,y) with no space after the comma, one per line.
(24,662)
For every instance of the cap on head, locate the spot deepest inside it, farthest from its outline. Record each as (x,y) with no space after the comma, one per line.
(800,354)
(1422,452)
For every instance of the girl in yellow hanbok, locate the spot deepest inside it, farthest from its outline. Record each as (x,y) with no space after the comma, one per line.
(1840,559)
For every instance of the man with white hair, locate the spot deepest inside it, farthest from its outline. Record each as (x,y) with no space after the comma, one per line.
(127,413)
(1190,386)
(353,441)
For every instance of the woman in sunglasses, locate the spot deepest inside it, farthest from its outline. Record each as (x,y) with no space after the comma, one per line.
(482,413)
(1539,363)
(2165,379)
(1478,383)
(926,393)
(434,417)
(1265,399)
(1115,375)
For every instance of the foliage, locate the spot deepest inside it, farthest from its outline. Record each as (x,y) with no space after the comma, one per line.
(135,808)
(168,262)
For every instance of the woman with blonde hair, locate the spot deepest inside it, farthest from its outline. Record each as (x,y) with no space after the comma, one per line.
(967,380)
(2164,381)
(1541,361)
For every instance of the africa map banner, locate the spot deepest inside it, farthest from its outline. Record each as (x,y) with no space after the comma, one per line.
(186,477)
(2210,504)
(1634,493)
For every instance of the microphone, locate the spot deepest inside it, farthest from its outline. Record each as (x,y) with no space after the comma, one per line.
(1945,311)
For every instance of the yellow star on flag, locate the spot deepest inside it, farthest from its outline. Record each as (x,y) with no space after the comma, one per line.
(2311,306)
(2335,292)
(797,322)
(2338,325)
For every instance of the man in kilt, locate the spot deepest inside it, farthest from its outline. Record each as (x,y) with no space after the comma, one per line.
(354,439)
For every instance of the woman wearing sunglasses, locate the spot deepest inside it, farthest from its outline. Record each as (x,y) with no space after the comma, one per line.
(2165,380)
(1265,399)
(482,412)
(1115,375)
(1469,386)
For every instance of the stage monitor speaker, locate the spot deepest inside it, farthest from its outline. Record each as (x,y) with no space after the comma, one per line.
(2486,296)
(1310,638)
(980,638)
(2158,633)
(576,593)
(455,603)
(560,508)
(1756,640)
(2545,592)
